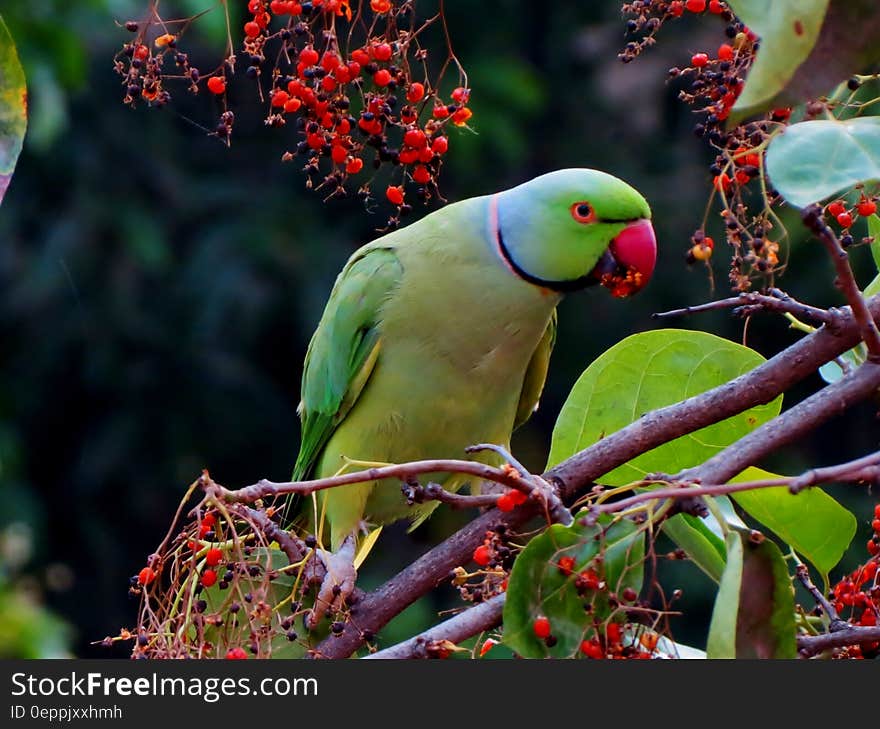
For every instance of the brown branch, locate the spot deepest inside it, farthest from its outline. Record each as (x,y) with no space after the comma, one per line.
(810,645)
(834,621)
(845,281)
(750,302)
(791,425)
(403,471)
(857,471)
(466,624)
(577,473)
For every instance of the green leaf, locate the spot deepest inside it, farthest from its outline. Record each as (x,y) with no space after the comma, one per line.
(810,522)
(832,372)
(647,371)
(813,160)
(874,232)
(788,30)
(702,545)
(753,615)
(13,107)
(537,586)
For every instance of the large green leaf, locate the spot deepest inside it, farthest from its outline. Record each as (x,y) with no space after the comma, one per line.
(537,586)
(812,160)
(13,107)
(811,522)
(647,371)
(788,30)
(754,609)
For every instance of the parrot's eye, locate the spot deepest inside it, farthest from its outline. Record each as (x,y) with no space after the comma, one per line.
(583,212)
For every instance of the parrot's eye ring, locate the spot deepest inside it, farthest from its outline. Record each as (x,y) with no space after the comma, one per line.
(583,212)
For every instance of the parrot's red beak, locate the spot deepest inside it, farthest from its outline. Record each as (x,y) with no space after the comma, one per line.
(629,262)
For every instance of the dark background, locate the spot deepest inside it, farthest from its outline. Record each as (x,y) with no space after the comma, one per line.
(158,291)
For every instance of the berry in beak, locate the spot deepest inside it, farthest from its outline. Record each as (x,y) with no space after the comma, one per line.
(626,267)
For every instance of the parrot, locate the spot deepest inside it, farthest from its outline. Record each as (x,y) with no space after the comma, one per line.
(438,336)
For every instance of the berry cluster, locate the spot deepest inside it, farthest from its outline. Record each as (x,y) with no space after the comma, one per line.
(857,595)
(711,84)
(351,78)
(494,557)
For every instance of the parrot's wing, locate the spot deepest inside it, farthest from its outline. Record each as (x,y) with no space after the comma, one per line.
(536,374)
(344,349)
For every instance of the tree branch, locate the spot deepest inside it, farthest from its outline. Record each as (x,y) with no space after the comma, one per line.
(466,624)
(845,281)
(577,473)
(810,645)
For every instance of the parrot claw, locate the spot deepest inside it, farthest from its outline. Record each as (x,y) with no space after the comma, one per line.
(338,583)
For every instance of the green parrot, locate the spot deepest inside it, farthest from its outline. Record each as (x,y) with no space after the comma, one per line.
(438,336)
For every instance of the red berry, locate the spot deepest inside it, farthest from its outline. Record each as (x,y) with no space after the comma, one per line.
(592,649)
(426,154)
(698,60)
(708,241)
(146,576)
(279,7)
(339,154)
(482,555)
(308,56)
(361,57)
(836,208)
(382,52)
(330,61)
(875,525)
(629,595)
(415,93)
(461,95)
(866,208)
(251,29)
(236,654)
(382,77)
(488,645)
(716,7)
(440,145)
(877,511)
(441,111)
(844,220)
(676,8)
(722,182)
(695,6)
(255,6)
(873,547)
(141,52)
(279,98)
(781,114)
(354,166)
(213,557)
(209,577)
(209,519)
(292,105)
(613,633)
(216,85)
(504,503)
(461,116)
(415,138)
(725,52)
(541,627)
(566,565)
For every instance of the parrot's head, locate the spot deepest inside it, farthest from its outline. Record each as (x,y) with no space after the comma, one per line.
(572,228)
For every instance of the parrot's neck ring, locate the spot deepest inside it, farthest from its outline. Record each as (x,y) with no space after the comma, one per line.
(503,251)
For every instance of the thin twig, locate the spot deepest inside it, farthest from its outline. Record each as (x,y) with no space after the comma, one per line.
(834,622)
(845,281)
(751,302)
(466,624)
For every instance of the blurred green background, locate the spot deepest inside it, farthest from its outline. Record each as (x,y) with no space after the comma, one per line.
(158,291)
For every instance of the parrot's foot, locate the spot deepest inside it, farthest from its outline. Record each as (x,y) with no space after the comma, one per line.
(338,583)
